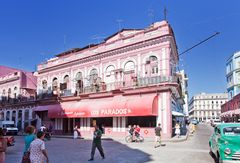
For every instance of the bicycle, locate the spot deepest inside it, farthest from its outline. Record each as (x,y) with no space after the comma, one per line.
(130,139)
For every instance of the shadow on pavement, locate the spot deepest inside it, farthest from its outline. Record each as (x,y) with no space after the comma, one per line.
(79,151)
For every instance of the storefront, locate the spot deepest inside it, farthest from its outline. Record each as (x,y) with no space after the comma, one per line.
(112,113)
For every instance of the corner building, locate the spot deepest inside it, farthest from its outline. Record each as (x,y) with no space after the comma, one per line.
(128,79)
(17,96)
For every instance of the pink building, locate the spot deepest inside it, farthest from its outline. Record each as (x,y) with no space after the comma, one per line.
(17,95)
(128,79)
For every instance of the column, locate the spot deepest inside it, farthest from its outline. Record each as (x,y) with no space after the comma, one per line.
(119,124)
(5,115)
(16,118)
(81,124)
(23,118)
(114,123)
(160,109)
(123,124)
(88,124)
(10,116)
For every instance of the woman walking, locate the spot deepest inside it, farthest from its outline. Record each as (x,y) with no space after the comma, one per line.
(38,153)
(75,132)
(30,131)
(177,129)
(3,146)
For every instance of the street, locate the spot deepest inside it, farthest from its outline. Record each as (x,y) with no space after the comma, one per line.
(63,150)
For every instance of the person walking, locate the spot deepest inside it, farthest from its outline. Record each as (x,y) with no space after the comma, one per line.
(3,146)
(177,130)
(38,153)
(96,143)
(30,131)
(75,132)
(158,131)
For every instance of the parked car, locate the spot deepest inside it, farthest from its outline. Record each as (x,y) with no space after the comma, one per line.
(215,122)
(9,127)
(194,121)
(224,143)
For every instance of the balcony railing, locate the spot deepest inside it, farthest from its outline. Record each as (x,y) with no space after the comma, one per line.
(19,99)
(102,86)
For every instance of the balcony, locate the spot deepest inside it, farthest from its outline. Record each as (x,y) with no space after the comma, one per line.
(103,87)
(6,101)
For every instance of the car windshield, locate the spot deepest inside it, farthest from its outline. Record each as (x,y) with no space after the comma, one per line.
(231,131)
(9,125)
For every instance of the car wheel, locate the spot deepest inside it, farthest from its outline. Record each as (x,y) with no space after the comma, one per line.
(210,150)
(219,160)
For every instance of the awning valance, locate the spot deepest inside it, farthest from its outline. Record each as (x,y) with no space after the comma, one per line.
(178,114)
(140,105)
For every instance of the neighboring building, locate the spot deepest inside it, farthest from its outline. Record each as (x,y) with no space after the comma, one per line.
(204,107)
(233,75)
(230,110)
(128,79)
(184,85)
(17,95)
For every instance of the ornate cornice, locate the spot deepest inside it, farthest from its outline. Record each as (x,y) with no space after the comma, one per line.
(117,51)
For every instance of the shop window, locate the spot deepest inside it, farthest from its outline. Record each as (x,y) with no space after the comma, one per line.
(149,121)
(102,122)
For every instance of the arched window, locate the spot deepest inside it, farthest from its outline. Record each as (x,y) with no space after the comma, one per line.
(44,84)
(93,75)
(55,84)
(79,84)
(9,92)
(78,76)
(65,83)
(109,77)
(129,66)
(8,116)
(15,92)
(151,66)
(66,79)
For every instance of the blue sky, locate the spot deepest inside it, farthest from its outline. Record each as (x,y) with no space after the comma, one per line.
(33,31)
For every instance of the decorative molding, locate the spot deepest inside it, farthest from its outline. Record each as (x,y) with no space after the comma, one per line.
(117,51)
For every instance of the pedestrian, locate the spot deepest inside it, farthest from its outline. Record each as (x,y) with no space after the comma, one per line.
(158,131)
(38,153)
(75,132)
(30,131)
(177,129)
(43,128)
(3,146)
(96,143)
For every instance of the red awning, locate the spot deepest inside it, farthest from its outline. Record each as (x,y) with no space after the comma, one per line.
(140,105)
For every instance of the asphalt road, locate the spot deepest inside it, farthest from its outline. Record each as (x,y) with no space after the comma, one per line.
(63,150)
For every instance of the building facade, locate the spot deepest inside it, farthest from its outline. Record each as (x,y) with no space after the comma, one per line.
(184,85)
(233,75)
(230,111)
(205,107)
(128,79)
(17,96)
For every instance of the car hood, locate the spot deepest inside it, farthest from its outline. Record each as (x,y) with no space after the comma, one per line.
(233,140)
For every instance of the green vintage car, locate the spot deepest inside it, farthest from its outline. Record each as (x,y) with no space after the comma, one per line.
(225,142)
